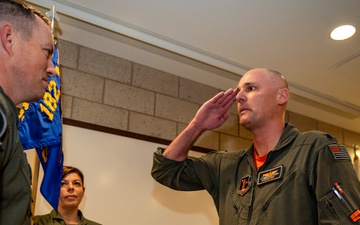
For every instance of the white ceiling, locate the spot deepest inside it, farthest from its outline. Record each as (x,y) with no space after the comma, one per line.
(228,37)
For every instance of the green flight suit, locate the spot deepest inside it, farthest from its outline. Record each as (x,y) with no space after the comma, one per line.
(293,187)
(15,174)
(54,218)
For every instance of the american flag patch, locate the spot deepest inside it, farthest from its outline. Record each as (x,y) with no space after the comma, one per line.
(339,152)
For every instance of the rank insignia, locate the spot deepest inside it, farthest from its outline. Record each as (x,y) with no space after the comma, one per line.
(244,185)
(339,152)
(270,175)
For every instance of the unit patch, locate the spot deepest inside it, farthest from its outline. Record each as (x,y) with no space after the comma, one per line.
(355,216)
(270,175)
(244,186)
(339,152)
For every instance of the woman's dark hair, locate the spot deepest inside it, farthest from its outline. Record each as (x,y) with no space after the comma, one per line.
(69,169)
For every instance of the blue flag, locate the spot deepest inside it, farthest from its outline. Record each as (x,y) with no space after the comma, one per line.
(40,127)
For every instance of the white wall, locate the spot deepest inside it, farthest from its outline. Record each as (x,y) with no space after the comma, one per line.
(119,187)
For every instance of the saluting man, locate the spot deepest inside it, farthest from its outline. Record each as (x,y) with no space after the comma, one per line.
(285,177)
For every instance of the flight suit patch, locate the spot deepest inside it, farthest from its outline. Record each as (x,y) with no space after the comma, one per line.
(355,216)
(270,175)
(339,152)
(244,185)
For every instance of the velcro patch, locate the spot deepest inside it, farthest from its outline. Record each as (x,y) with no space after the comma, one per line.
(339,152)
(355,216)
(244,185)
(270,175)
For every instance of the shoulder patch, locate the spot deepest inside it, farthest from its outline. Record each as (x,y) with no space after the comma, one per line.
(339,152)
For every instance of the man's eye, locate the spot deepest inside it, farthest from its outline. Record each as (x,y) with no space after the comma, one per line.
(48,53)
(251,88)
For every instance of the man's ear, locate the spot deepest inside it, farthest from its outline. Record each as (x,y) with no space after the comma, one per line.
(283,96)
(6,36)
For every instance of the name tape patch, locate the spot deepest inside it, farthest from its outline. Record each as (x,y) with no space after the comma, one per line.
(270,175)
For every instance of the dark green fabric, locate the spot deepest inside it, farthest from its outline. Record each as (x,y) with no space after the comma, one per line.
(54,218)
(15,175)
(301,196)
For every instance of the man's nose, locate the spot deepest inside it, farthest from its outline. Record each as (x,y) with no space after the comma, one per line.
(51,70)
(239,96)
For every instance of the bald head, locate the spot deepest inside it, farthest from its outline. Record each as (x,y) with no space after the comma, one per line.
(274,78)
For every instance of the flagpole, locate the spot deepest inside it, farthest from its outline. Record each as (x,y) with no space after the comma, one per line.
(53,16)
(35,182)
(53,19)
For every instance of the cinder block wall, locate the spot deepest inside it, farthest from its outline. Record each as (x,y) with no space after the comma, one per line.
(105,90)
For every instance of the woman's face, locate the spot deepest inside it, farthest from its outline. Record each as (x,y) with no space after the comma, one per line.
(71,191)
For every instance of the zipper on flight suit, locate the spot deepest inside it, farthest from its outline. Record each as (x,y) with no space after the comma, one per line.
(253,184)
(265,206)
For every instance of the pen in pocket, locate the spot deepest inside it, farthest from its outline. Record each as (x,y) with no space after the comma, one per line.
(337,194)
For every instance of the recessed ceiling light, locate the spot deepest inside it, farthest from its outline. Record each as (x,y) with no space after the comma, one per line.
(343,32)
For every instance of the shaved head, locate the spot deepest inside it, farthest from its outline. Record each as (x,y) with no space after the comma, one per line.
(276,78)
